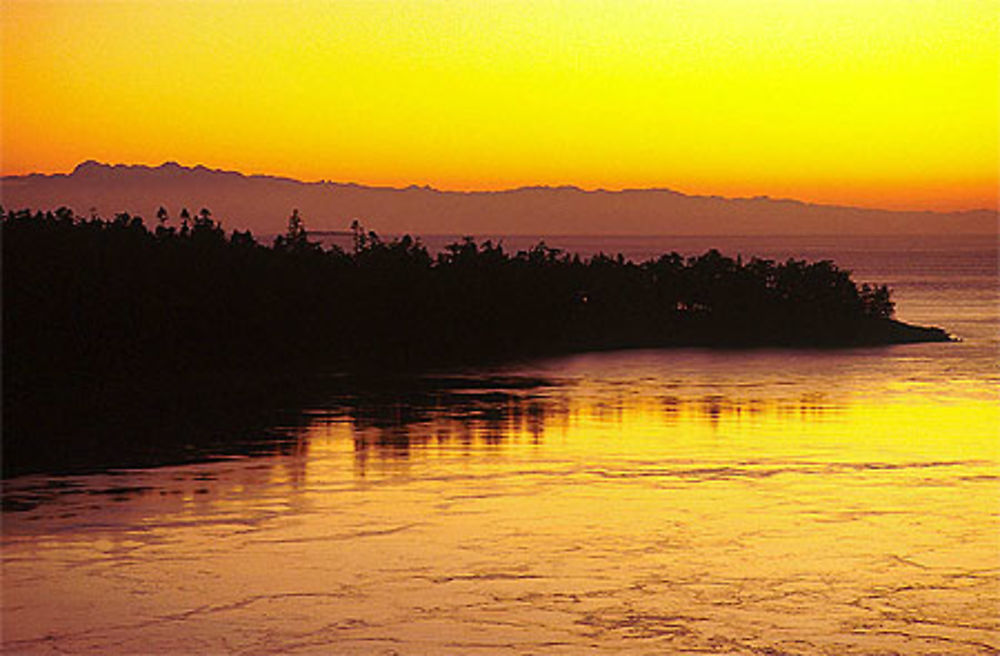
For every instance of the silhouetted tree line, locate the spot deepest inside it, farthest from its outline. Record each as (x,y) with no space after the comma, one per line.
(89,296)
(120,338)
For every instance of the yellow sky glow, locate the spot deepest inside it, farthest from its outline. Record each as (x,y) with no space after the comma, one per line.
(868,102)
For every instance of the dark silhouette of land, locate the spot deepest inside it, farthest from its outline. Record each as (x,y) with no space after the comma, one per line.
(258,203)
(95,310)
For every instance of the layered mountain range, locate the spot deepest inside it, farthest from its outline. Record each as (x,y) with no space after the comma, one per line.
(262,203)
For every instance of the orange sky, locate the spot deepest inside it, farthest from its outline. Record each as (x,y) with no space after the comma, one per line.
(886,103)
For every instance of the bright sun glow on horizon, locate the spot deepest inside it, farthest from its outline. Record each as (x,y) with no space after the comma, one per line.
(885,103)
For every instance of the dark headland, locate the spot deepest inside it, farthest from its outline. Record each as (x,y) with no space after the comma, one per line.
(110,326)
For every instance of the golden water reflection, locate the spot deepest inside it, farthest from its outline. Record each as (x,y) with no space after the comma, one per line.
(528,515)
(590,423)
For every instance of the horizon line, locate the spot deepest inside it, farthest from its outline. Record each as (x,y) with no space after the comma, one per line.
(528,187)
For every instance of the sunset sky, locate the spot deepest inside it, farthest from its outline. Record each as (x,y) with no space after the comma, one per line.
(866,102)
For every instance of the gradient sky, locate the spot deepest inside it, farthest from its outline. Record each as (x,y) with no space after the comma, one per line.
(868,102)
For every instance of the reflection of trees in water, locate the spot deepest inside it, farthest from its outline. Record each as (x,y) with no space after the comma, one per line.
(394,423)
(391,422)
(147,479)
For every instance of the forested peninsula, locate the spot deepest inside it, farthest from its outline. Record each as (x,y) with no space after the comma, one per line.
(88,295)
(94,309)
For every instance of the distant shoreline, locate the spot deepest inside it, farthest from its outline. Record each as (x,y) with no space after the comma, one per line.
(259,203)
(92,166)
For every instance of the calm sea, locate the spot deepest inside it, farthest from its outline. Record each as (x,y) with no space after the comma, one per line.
(647,501)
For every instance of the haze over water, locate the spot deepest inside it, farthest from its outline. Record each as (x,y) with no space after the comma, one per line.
(646,501)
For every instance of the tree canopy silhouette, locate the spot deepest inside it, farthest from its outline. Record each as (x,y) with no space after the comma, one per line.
(97,309)
(89,294)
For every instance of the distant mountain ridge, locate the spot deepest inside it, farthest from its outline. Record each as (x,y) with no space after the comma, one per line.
(262,203)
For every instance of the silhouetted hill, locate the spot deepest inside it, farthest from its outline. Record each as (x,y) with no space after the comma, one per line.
(261,203)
